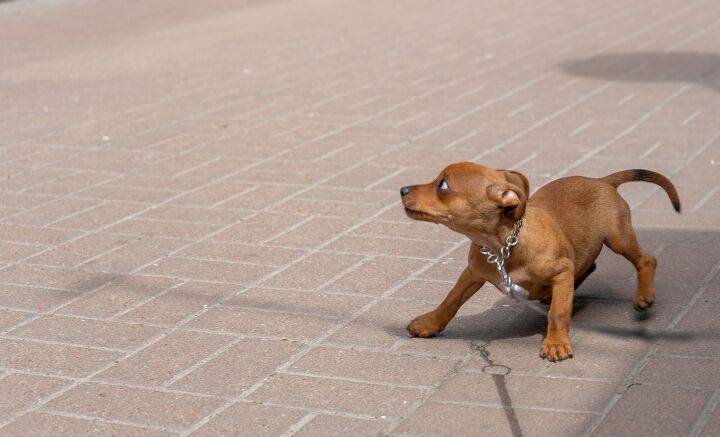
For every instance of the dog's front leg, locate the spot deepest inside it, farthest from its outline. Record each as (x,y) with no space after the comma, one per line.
(435,321)
(556,345)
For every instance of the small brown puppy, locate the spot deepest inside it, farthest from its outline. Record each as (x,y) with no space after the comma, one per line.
(565,224)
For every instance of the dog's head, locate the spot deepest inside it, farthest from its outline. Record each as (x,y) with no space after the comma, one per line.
(468,198)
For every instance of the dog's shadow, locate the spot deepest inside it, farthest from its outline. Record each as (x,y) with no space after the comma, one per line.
(671,66)
(597,307)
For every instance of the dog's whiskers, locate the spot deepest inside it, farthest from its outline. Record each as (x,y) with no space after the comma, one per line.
(453,223)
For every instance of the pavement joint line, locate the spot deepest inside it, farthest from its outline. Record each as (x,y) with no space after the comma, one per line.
(640,365)
(365,102)
(650,150)
(338,413)
(64,343)
(700,203)
(347,146)
(302,221)
(499,406)
(693,36)
(155,388)
(520,109)
(129,308)
(626,99)
(689,357)
(130,423)
(471,92)
(356,380)
(89,260)
(518,165)
(580,128)
(356,265)
(295,427)
(459,140)
(213,159)
(705,415)
(386,178)
(692,117)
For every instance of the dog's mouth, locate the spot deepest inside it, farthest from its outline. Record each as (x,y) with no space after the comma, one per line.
(419,215)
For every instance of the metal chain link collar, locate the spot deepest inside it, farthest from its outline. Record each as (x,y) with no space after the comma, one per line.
(508,287)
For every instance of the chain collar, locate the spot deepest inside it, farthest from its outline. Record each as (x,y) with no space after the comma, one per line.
(508,287)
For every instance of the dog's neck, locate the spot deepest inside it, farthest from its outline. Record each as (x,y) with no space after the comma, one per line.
(495,239)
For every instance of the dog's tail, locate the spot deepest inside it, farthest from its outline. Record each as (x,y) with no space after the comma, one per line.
(621,177)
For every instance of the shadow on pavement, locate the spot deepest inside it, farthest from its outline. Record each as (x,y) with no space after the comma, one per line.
(691,67)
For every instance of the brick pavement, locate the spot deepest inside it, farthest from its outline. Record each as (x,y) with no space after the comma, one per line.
(200,230)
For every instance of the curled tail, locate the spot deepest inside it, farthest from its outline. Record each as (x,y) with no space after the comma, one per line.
(621,177)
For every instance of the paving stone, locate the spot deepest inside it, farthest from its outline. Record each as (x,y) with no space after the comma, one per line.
(257,228)
(57,278)
(33,299)
(376,276)
(374,366)
(80,250)
(255,254)
(376,246)
(299,327)
(635,411)
(458,419)
(118,296)
(337,395)
(314,232)
(238,368)
(53,359)
(527,391)
(206,270)
(137,253)
(101,216)
(165,358)
(134,404)
(695,372)
(179,303)
(87,332)
(325,305)
(254,419)
(47,423)
(327,425)
(35,235)
(313,271)
(21,391)
(8,318)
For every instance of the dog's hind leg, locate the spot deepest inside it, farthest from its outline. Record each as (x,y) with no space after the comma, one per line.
(623,241)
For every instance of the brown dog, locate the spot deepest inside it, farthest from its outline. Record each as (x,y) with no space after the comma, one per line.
(565,224)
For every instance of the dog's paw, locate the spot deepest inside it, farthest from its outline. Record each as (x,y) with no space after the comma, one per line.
(425,325)
(641,303)
(554,350)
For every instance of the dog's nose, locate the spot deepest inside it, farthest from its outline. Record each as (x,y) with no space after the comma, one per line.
(404,191)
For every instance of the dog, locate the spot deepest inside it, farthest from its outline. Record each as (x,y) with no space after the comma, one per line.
(564,226)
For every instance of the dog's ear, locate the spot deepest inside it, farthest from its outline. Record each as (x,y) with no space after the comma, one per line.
(511,195)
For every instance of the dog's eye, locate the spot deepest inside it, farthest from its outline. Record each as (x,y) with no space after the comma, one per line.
(443,185)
